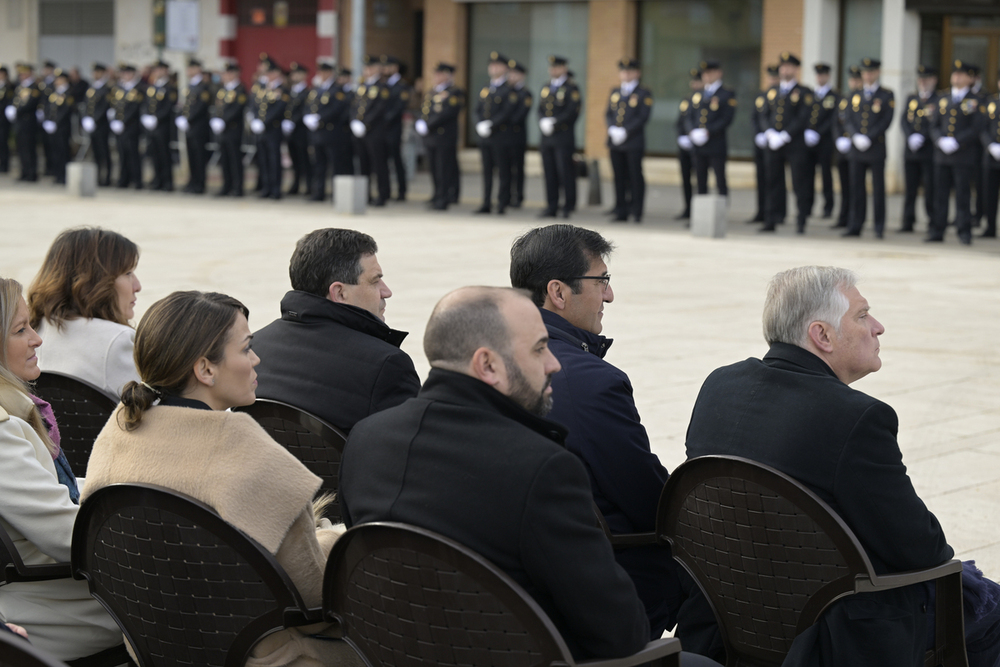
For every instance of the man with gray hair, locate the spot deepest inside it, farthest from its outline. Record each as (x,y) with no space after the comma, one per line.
(794,410)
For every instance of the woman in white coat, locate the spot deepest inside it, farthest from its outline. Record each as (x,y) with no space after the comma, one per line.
(37,507)
(81,302)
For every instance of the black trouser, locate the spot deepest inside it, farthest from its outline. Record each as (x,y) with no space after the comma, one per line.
(158,150)
(946,177)
(364,160)
(979,205)
(59,153)
(196,139)
(517,150)
(322,161)
(298,151)
(758,163)
(453,175)
(630,184)
(102,151)
(495,153)
(343,152)
(47,152)
(859,195)
(685,160)
(129,161)
(822,156)
(4,145)
(991,189)
(394,151)
(557,162)
(269,161)
(717,163)
(231,158)
(919,172)
(379,160)
(26,131)
(440,160)
(802,183)
(844,175)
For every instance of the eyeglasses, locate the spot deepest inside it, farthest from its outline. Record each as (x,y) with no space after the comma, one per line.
(605,280)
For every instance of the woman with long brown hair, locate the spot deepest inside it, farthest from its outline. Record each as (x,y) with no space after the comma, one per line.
(38,501)
(81,302)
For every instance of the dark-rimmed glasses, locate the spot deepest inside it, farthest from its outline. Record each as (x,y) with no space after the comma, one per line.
(604,280)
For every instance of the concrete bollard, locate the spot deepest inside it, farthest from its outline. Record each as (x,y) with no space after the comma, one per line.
(708,216)
(81,179)
(350,194)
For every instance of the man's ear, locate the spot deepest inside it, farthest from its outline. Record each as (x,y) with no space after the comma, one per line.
(488,367)
(820,333)
(556,293)
(204,372)
(336,293)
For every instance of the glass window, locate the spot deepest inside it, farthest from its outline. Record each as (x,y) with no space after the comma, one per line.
(529,32)
(862,34)
(674,36)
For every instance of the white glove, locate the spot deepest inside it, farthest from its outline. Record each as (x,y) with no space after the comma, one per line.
(812,137)
(358,128)
(547,125)
(421,127)
(699,136)
(148,121)
(88,124)
(785,137)
(111,114)
(257,126)
(40,115)
(684,141)
(915,141)
(861,142)
(994,150)
(774,140)
(618,135)
(217,125)
(311,121)
(287,127)
(760,139)
(49,126)
(843,144)
(117,126)
(249,117)
(484,128)
(948,145)
(10,112)
(182,123)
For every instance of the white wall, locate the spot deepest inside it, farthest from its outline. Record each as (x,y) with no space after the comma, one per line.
(18,32)
(900,56)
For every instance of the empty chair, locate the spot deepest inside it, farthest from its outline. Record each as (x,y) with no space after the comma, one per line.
(81,411)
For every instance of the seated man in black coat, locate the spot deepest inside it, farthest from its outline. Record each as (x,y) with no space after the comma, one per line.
(331,353)
(793,410)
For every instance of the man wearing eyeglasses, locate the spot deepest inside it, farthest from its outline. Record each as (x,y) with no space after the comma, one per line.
(564,268)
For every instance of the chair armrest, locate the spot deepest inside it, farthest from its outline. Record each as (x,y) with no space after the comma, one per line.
(14,573)
(626,540)
(887,581)
(295,617)
(665,652)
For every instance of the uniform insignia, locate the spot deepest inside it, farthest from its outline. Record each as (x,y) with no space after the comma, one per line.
(385,93)
(576,96)
(405,95)
(892,103)
(561,95)
(372,93)
(856,100)
(545,91)
(809,98)
(968,106)
(615,96)
(151,91)
(992,108)
(843,104)
(361,89)
(649,101)
(913,105)
(497,99)
(527,101)
(684,106)
(771,94)
(760,103)
(90,93)
(242,99)
(714,104)
(633,101)
(696,98)
(829,102)
(453,101)
(513,98)
(794,97)
(484,93)
(877,106)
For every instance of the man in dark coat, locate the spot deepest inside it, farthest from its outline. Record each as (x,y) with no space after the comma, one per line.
(559,107)
(494,111)
(6,98)
(399,99)
(991,165)
(368,125)
(758,124)
(156,117)
(95,121)
(684,145)
(522,99)
(706,122)
(193,121)
(564,268)
(795,411)
(919,155)
(331,353)
(266,124)
(327,111)
(21,113)
(629,108)
(227,125)
(473,458)
(128,100)
(438,125)
(294,129)
(819,135)
(58,109)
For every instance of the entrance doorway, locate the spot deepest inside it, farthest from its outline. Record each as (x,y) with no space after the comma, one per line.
(974,39)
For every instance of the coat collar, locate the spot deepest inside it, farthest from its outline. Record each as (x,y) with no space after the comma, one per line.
(797,356)
(560,329)
(299,306)
(460,389)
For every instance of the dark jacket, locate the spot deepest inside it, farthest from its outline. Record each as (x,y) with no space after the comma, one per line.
(790,411)
(631,112)
(963,120)
(789,113)
(713,113)
(870,117)
(465,461)
(916,120)
(593,400)
(440,111)
(498,105)
(336,361)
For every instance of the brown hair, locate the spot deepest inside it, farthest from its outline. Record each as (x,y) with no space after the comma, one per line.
(77,278)
(174,333)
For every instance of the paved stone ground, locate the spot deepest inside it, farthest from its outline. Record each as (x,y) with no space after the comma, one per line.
(683,306)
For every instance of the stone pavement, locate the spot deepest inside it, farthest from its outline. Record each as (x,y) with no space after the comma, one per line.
(683,306)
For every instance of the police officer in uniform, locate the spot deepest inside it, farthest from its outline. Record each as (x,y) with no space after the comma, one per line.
(58,110)
(22,113)
(919,152)
(494,110)
(227,125)
(955,129)
(157,117)
(707,121)
(629,109)
(758,124)
(787,117)
(6,99)
(128,99)
(438,125)
(369,126)
(522,100)
(819,134)
(684,155)
(193,121)
(294,129)
(558,109)
(843,148)
(325,118)
(991,171)
(266,125)
(257,91)
(868,116)
(46,84)
(399,99)
(95,121)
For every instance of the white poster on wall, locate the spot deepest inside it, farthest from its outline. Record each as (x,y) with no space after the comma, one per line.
(182,25)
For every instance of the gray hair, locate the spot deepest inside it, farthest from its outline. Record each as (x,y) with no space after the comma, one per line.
(798,297)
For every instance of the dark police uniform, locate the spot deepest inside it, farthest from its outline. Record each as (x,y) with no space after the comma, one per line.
(496,106)
(869,113)
(229,106)
(522,100)
(919,164)
(788,112)
(6,99)
(371,103)
(197,109)
(399,99)
(821,117)
(298,139)
(629,108)
(991,171)
(843,165)
(27,97)
(47,85)
(159,103)
(561,103)
(97,102)
(59,108)
(440,110)
(127,105)
(271,111)
(758,124)
(330,142)
(713,111)
(963,120)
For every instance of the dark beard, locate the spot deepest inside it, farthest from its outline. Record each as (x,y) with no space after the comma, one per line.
(521,392)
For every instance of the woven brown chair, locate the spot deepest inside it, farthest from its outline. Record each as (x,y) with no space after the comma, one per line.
(81,411)
(771,556)
(185,587)
(407,597)
(17,652)
(314,442)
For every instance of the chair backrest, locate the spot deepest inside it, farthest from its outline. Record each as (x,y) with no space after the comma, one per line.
(186,587)
(314,442)
(12,567)
(16,652)
(767,552)
(81,411)
(407,597)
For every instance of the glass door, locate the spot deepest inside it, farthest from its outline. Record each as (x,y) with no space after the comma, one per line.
(974,39)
